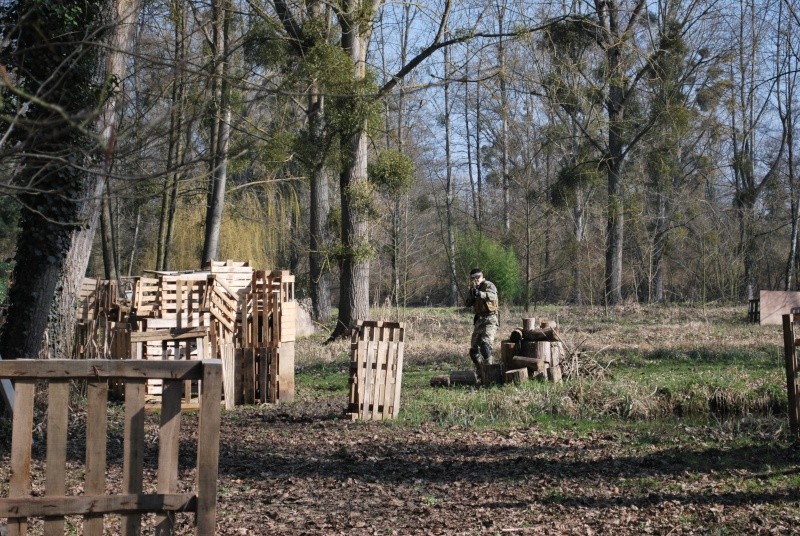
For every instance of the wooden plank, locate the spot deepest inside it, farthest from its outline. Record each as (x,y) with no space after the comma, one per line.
(791,365)
(99,368)
(400,340)
(169,334)
(368,391)
(228,355)
(773,304)
(97,505)
(19,484)
(133,450)
(168,449)
(208,449)
(381,363)
(96,433)
(263,374)
(390,380)
(285,384)
(55,475)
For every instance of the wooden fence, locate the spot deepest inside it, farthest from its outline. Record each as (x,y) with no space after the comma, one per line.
(790,351)
(95,502)
(376,370)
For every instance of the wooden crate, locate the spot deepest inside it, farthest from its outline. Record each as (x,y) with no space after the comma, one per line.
(376,370)
(51,501)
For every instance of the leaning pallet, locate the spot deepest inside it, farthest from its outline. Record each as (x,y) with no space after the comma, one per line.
(376,370)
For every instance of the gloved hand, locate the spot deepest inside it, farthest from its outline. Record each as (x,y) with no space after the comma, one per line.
(475,292)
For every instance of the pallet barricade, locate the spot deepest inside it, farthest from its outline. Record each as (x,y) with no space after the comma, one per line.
(95,501)
(791,326)
(376,370)
(241,309)
(98,305)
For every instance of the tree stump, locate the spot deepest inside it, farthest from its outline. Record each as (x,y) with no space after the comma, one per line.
(517,376)
(492,375)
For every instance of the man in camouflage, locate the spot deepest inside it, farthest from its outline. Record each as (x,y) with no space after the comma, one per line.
(483,300)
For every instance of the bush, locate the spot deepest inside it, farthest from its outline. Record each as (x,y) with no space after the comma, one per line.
(499,264)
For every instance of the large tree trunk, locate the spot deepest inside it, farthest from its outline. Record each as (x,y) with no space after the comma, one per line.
(354,263)
(57,234)
(320,209)
(61,328)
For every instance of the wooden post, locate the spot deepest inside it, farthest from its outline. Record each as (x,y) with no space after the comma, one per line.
(793,391)
(528,323)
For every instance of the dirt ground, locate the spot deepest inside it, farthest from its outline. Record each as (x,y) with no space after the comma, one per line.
(302,468)
(307,471)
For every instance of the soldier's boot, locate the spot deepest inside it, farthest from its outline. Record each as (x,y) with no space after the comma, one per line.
(475,355)
(486,352)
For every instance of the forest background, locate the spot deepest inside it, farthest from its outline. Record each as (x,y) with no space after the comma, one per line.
(585,152)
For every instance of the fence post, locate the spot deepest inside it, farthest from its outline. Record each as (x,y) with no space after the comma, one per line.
(790,356)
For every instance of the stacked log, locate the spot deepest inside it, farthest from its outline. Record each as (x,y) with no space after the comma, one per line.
(539,350)
(532,352)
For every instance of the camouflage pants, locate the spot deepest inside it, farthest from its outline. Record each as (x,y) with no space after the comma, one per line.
(483,332)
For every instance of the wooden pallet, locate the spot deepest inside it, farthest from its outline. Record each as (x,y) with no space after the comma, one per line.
(376,370)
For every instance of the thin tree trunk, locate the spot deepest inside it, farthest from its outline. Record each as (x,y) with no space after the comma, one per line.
(449,186)
(108,241)
(222,123)
(320,209)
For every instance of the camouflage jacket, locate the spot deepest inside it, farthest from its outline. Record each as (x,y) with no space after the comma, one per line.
(486,302)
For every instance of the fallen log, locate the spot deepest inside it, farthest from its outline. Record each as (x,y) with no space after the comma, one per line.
(440,381)
(541,334)
(533,364)
(463,377)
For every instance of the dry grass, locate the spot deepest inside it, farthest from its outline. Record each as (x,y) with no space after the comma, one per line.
(630,363)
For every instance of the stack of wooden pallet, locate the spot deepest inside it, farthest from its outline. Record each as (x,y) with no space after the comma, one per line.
(98,308)
(243,316)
